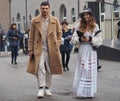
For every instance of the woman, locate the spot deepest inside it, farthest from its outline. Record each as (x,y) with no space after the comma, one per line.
(14,36)
(66,47)
(85,78)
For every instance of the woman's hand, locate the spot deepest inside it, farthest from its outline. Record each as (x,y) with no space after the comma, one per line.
(15,38)
(85,39)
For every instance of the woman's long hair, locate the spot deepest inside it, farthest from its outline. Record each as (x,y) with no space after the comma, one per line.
(91,23)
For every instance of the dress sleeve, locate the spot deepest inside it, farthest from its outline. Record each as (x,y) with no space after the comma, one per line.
(96,40)
(75,38)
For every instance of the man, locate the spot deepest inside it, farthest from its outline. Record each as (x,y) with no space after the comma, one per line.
(43,46)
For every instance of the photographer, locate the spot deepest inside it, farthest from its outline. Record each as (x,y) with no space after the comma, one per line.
(14,36)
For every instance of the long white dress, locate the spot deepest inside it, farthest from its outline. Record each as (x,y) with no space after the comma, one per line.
(85,78)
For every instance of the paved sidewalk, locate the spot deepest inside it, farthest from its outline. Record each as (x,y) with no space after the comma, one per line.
(17,85)
(9,53)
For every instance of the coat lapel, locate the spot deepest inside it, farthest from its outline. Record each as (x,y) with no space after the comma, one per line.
(38,22)
(51,25)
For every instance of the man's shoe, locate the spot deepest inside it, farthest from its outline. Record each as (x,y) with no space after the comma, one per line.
(48,92)
(41,93)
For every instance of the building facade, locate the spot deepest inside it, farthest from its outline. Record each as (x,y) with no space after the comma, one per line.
(4,15)
(22,12)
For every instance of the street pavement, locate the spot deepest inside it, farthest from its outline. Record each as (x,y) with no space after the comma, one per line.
(17,85)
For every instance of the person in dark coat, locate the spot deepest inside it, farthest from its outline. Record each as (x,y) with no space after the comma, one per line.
(66,46)
(1,41)
(14,36)
(118,32)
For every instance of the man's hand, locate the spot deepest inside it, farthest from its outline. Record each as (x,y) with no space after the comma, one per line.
(30,53)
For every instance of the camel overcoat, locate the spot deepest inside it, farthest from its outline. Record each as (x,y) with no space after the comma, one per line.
(35,44)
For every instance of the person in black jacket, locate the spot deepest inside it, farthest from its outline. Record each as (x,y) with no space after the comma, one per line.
(66,46)
(118,32)
(14,36)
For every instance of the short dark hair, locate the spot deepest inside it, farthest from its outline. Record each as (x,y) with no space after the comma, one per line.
(64,22)
(11,26)
(45,3)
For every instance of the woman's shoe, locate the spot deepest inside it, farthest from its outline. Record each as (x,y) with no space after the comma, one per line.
(15,63)
(11,62)
(64,69)
(68,68)
(99,67)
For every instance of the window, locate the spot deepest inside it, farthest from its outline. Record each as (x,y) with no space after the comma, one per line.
(53,13)
(73,14)
(63,13)
(18,21)
(36,12)
(13,20)
(24,23)
(116,8)
(103,6)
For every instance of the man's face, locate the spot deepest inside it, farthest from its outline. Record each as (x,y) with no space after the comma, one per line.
(45,10)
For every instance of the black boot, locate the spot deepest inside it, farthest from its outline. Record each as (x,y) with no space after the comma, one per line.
(67,68)
(99,67)
(15,63)
(15,60)
(64,69)
(12,61)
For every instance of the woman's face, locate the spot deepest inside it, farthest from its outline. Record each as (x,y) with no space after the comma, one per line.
(86,17)
(14,27)
(64,26)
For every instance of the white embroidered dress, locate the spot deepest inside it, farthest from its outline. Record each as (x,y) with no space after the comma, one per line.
(85,78)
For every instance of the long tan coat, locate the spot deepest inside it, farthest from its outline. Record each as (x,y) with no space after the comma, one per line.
(35,44)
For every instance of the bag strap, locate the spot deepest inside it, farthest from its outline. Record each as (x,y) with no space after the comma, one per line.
(96,33)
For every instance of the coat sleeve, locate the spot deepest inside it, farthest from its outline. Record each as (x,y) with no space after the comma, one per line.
(31,37)
(59,32)
(96,40)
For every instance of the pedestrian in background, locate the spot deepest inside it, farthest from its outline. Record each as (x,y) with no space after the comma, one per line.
(25,41)
(85,78)
(118,32)
(1,41)
(14,35)
(43,46)
(66,47)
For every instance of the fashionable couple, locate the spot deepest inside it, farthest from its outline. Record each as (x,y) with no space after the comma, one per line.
(45,58)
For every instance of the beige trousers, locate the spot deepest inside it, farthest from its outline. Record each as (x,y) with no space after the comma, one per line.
(44,75)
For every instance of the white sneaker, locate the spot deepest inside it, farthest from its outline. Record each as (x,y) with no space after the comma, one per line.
(41,93)
(48,92)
